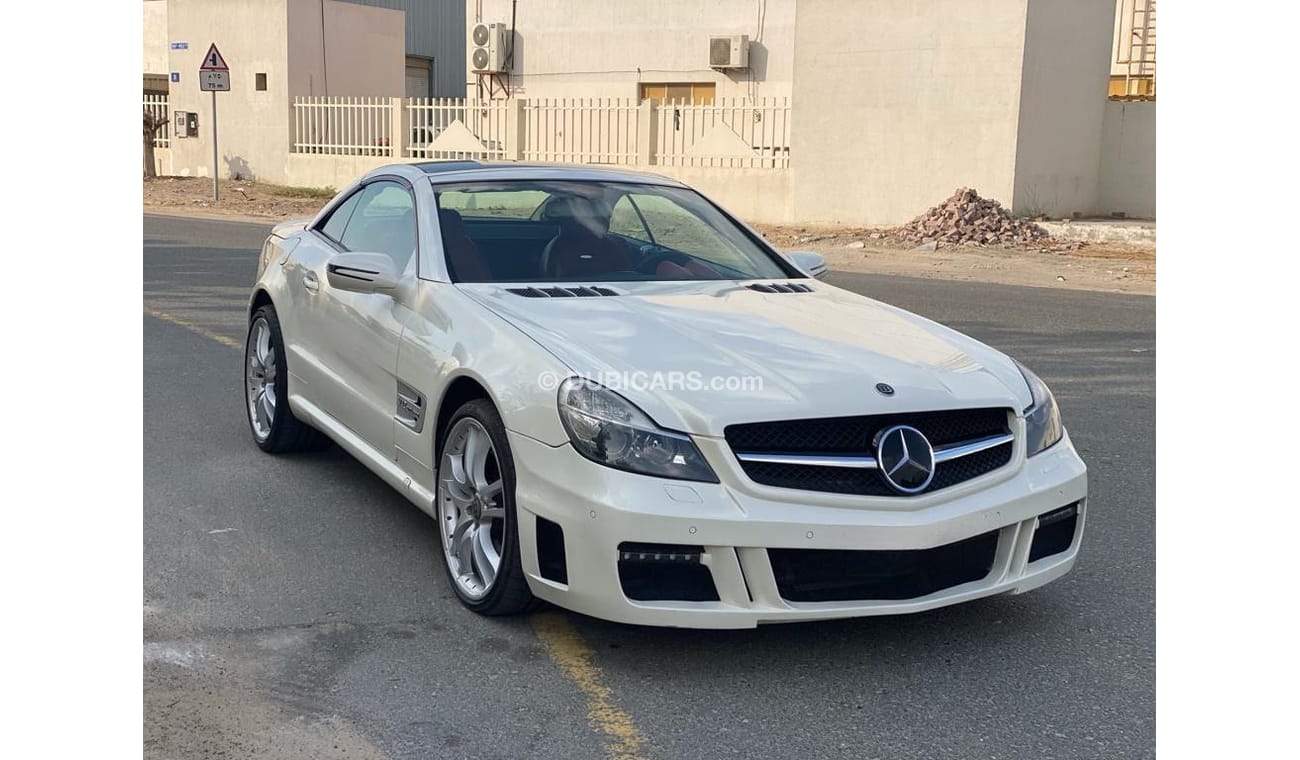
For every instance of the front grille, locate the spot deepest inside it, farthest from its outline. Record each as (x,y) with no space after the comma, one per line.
(831,575)
(855,436)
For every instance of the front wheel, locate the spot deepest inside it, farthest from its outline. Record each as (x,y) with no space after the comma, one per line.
(476,513)
(266,389)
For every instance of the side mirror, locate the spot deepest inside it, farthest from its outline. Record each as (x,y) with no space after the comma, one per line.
(362,272)
(811,263)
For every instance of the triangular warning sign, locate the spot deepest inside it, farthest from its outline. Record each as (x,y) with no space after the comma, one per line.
(212,60)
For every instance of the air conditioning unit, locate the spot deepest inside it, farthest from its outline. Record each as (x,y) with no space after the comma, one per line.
(730,51)
(490,44)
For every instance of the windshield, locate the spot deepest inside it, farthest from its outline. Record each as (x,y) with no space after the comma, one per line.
(567,231)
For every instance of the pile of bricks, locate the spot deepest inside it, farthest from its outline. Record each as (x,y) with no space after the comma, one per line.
(966,218)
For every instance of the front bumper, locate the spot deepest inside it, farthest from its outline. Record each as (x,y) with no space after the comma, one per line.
(736,522)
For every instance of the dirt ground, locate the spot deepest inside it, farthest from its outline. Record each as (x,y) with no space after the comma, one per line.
(1111,267)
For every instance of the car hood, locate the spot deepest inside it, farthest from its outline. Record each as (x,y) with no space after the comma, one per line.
(698,356)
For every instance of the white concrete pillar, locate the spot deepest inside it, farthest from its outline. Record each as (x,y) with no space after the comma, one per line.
(515,129)
(646,137)
(400,123)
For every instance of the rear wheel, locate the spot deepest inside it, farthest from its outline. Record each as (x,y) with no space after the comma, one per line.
(266,389)
(476,513)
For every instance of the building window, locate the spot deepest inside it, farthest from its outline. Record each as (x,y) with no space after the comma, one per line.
(684,93)
(260,84)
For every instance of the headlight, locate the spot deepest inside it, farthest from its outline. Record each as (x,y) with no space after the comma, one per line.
(1042,418)
(607,429)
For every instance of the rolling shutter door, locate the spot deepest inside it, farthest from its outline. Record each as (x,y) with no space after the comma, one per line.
(417,80)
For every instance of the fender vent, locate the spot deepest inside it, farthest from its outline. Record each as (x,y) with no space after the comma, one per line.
(780,287)
(551,559)
(581,291)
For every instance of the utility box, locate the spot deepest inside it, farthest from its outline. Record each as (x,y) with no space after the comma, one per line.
(185,124)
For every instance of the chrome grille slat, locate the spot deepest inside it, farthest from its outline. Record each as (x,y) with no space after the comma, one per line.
(809,460)
(958,450)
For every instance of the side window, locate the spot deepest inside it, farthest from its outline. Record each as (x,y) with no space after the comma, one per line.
(627,222)
(338,218)
(383,222)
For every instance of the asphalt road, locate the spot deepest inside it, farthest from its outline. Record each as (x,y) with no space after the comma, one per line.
(294,606)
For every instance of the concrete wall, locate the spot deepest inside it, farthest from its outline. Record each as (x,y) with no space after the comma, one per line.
(1062,100)
(253,127)
(898,102)
(605,48)
(1128,159)
(364,49)
(155,37)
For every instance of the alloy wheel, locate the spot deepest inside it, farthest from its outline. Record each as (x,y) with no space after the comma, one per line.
(259,378)
(471,509)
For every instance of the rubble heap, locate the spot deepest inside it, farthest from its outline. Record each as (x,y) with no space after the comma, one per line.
(968,218)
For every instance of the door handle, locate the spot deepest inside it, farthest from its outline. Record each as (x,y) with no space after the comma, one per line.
(310,282)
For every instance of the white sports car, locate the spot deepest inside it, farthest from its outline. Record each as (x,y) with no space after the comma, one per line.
(614,396)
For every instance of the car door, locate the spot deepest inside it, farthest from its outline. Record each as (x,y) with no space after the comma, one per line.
(363,330)
(303,319)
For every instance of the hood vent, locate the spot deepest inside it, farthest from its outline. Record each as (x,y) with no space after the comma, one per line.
(780,287)
(582,291)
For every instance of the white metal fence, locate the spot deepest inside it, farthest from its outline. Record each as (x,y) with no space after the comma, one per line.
(156,106)
(456,128)
(1133,75)
(581,130)
(343,126)
(732,133)
(729,133)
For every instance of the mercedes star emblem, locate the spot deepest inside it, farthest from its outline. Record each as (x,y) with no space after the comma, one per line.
(905,458)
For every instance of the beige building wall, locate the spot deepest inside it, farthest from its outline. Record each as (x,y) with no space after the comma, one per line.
(275,38)
(607,48)
(898,102)
(1128,159)
(1062,106)
(155,37)
(353,50)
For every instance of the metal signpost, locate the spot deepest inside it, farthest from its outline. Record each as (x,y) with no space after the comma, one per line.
(214,76)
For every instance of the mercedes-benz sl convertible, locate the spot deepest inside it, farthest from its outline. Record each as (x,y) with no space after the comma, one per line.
(614,396)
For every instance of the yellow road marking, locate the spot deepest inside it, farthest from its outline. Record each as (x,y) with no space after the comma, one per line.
(575,658)
(188,325)
(568,650)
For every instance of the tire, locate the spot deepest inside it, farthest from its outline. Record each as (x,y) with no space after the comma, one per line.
(275,430)
(474,522)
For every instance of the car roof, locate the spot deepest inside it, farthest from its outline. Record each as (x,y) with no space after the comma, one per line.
(476,171)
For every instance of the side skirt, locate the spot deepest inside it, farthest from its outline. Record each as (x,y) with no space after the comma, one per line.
(368,455)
